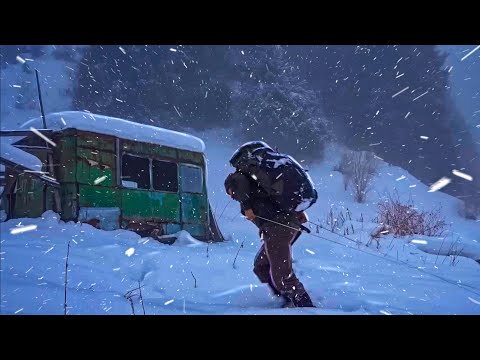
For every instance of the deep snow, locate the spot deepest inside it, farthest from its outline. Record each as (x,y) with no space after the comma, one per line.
(342,279)
(105,265)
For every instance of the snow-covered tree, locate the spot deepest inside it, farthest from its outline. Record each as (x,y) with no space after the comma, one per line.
(174,86)
(272,102)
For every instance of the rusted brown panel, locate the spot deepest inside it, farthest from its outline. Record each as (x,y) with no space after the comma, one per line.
(190,157)
(140,148)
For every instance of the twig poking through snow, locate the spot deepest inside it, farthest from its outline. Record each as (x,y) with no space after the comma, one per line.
(129,298)
(194,278)
(66,279)
(241,246)
(141,297)
(131,293)
(444,181)
(439,251)
(462,175)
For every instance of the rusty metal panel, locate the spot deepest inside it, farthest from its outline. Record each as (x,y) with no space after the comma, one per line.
(101,217)
(197,230)
(145,149)
(96,141)
(93,166)
(191,157)
(69,201)
(66,155)
(29,196)
(194,208)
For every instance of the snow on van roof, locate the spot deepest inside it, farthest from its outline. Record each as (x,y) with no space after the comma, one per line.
(121,128)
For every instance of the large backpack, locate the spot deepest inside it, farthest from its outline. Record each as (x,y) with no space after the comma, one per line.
(280,175)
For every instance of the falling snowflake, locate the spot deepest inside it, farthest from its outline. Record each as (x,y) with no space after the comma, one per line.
(23,229)
(441,183)
(462,175)
(421,242)
(99,180)
(470,53)
(39,134)
(401,91)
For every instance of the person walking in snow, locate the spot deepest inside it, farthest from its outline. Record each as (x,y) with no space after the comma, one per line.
(273,191)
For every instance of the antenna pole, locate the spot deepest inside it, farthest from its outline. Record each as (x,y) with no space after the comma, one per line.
(40,100)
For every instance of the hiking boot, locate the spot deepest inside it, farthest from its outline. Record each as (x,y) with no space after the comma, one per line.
(302,300)
(287,303)
(273,289)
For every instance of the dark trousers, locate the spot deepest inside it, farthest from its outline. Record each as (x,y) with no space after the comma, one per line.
(273,263)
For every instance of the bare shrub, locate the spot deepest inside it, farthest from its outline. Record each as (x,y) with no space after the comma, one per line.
(345,168)
(336,221)
(358,169)
(405,219)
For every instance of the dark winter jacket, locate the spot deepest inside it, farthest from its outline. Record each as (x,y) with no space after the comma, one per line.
(250,196)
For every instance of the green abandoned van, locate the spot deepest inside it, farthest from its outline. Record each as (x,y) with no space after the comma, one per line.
(110,173)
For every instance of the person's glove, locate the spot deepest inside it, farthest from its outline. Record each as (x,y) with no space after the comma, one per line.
(249,214)
(302,217)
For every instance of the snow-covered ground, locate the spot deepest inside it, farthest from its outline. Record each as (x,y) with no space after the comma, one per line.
(403,276)
(191,277)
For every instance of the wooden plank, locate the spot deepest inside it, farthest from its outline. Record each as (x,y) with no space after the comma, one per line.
(19,168)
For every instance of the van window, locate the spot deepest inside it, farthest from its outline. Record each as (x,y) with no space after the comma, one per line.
(135,172)
(165,176)
(191,178)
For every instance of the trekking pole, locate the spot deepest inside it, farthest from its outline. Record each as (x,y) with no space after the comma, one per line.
(333,232)
(465,287)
